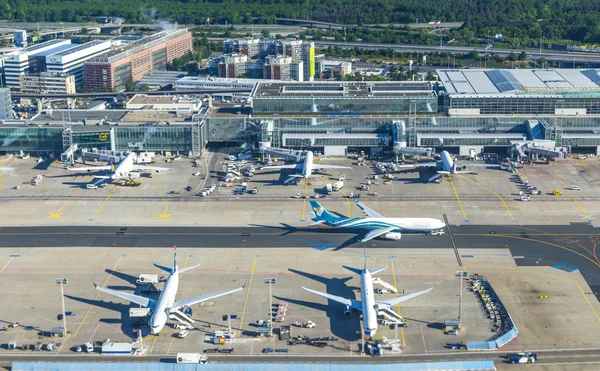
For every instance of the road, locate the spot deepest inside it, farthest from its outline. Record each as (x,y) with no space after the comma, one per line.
(546,357)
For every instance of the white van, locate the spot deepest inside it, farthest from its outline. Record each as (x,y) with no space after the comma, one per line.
(91,186)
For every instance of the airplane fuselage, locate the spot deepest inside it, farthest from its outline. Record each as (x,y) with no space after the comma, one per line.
(402,224)
(307,165)
(368,303)
(165,302)
(447,162)
(125,167)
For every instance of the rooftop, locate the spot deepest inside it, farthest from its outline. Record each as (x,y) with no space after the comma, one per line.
(58,49)
(33,48)
(161,99)
(79,47)
(343,89)
(517,82)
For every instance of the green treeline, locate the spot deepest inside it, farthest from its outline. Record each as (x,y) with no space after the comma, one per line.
(577,20)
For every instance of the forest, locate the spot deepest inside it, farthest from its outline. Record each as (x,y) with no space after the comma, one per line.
(558,20)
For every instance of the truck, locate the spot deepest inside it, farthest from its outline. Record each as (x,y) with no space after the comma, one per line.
(338,185)
(190,358)
(88,347)
(147,279)
(328,188)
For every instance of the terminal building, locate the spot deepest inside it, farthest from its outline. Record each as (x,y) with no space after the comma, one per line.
(465,112)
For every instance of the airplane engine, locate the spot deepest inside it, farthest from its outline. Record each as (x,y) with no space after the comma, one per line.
(347,312)
(395,236)
(463,167)
(89,170)
(158,171)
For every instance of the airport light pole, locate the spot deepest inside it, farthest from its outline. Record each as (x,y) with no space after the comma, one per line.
(270,282)
(62,282)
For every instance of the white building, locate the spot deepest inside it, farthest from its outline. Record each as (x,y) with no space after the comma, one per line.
(19,63)
(5,104)
(198,83)
(48,83)
(71,61)
(168,103)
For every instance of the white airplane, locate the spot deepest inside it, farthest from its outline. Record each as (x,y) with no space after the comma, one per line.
(166,305)
(449,166)
(367,304)
(307,167)
(377,224)
(125,170)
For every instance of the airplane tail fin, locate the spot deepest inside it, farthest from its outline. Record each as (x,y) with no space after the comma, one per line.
(174,258)
(322,214)
(112,167)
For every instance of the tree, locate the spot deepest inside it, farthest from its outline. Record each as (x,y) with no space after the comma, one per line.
(473,54)
(130,85)
(522,56)
(145,87)
(265,33)
(512,56)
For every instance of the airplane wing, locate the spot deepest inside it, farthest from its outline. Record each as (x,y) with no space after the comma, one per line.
(474,164)
(7,168)
(356,304)
(368,211)
(156,168)
(319,166)
(376,233)
(200,298)
(140,300)
(293,166)
(400,299)
(94,168)
(420,164)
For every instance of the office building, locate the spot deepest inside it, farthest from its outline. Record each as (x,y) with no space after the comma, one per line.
(20,38)
(308,59)
(71,61)
(231,66)
(31,60)
(332,68)
(297,71)
(277,68)
(115,69)
(47,83)
(5,104)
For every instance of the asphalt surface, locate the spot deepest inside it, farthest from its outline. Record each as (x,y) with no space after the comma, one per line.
(565,247)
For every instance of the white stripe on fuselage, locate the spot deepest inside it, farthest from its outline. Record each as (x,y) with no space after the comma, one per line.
(411,224)
(368,303)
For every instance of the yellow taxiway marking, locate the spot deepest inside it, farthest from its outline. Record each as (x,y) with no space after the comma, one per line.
(166,214)
(58,214)
(153,344)
(457,198)
(104,202)
(399,312)
(512,218)
(543,274)
(185,264)
(304,202)
(247,296)
(573,197)
(96,298)
(583,164)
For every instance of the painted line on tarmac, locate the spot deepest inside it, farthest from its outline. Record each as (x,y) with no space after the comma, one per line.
(512,218)
(458,199)
(583,164)
(399,311)
(247,295)
(103,203)
(97,296)
(166,214)
(58,214)
(589,219)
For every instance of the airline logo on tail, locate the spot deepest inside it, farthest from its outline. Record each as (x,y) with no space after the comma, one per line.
(318,211)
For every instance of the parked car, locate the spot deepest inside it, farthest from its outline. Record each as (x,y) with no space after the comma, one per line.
(575,188)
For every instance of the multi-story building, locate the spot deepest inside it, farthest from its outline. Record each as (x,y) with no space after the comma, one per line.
(71,61)
(113,70)
(297,71)
(289,47)
(20,38)
(31,60)
(5,104)
(308,57)
(48,83)
(341,68)
(277,68)
(232,65)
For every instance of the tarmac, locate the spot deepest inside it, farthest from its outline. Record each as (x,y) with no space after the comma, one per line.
(528,250)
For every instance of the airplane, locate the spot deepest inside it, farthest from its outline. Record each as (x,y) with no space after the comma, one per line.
(125,170)
(307,167)
(166,305)
(367,304)
(448,166)
(377,224)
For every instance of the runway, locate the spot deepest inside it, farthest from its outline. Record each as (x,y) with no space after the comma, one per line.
(565,247)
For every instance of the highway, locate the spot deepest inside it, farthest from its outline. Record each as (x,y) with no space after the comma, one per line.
(559,56)
(546,357)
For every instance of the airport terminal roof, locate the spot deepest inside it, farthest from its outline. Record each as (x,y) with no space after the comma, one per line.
(516,81)
(343,89)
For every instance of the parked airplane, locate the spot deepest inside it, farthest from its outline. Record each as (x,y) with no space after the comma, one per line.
(125,170)
(377,224)
(367,304)
(166,307)
(307,167)
(447,165)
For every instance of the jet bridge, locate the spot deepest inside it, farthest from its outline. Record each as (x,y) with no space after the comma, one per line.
(112,157)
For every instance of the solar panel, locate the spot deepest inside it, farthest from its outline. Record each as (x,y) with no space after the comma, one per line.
(504,80)
(592,75)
